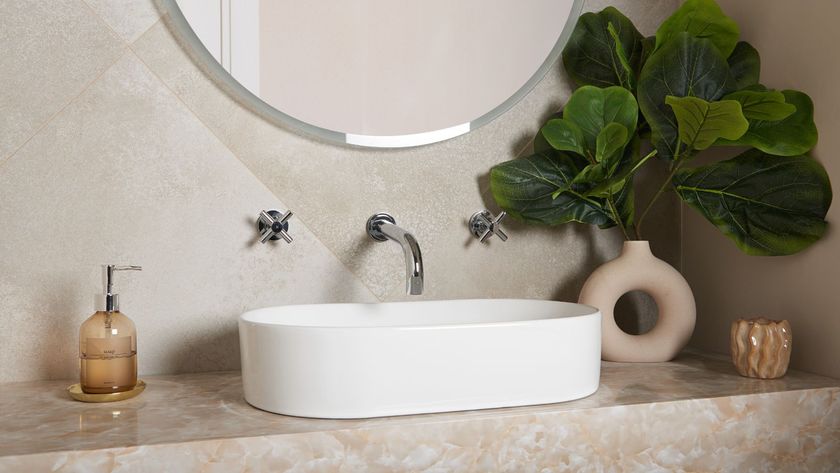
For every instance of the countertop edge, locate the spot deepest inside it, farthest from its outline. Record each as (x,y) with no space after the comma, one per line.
(507,417)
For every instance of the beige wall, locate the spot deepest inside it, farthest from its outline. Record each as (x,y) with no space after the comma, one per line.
(798,45)
(115,147)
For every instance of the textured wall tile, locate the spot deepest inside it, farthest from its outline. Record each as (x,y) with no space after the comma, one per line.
(129,18)
(126,174)
(645,14)
(431,191)
(51,50)
(122,171)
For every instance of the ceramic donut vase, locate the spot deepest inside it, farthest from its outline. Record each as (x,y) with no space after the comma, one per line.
(636,269)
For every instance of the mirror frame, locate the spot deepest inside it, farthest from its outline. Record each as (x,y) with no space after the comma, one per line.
(183,32)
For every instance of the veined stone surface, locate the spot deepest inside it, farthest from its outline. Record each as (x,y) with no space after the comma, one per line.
(693,414)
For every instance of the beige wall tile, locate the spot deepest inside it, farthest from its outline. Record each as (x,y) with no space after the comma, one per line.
(431,191)
(128,18)
(646,14)
(129,174)
(51,51)
(126,174)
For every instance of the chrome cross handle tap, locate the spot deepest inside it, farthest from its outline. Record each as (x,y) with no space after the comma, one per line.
(484,225)
(273,226)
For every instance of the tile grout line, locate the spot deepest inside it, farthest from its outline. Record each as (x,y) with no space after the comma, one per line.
(58,112)
(128,44)
(119,36)
(241,162)
(102,20)
(72,99)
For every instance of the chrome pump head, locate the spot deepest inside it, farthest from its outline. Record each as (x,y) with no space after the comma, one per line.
(112,301)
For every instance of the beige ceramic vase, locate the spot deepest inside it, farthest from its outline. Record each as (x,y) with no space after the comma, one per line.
(636,269)
(760,347)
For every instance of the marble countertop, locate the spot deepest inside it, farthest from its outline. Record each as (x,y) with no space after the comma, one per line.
(39,417)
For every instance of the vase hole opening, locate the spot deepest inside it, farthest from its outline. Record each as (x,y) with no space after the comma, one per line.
(636,313)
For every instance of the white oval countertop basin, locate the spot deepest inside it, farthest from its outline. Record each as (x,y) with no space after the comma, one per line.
(369,360)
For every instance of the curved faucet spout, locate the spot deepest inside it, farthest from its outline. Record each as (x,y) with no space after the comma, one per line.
(383,227)
(413,259)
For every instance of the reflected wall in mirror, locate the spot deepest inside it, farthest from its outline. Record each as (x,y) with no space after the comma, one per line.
(383,73)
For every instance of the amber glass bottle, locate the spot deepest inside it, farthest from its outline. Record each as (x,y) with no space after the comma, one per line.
(108,346)
(108,353)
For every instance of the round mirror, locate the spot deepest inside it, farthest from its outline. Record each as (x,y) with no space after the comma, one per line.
(382,73)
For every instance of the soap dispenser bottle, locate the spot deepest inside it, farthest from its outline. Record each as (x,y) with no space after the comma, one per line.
(108,345)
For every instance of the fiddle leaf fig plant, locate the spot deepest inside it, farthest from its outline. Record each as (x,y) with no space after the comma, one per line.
(691,87)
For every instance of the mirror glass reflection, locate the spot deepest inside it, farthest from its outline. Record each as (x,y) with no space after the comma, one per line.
(383,72)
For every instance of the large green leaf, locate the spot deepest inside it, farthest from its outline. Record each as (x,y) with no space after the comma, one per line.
(592,108)
(609,143)
(589,177)
(630,163)
(540,143)
(685,66)
(563,135)
(794,135)
(648,45)
(620,188)
(769,205)
(745,65)
(525,188)
(701,123)
(701,19)
(591,57)
(629,73)
(768,105)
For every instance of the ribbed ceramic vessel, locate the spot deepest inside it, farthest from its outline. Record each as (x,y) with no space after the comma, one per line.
(761,347)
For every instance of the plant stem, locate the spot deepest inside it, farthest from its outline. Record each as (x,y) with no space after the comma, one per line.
(610,204)
(656,196)
(642,161)
(675,166)
(614,209)
(617,218)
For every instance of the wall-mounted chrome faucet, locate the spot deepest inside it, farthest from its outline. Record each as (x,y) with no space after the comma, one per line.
(382,227)
(274,225)
(483,225)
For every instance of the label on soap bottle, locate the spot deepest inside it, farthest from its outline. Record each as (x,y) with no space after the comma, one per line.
(108,347)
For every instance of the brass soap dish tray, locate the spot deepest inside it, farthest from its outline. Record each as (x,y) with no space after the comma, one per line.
(76,393)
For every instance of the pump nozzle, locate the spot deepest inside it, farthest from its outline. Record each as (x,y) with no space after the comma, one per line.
(112,301)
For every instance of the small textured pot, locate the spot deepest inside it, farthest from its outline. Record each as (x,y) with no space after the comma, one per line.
(761,347)
(637,269)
